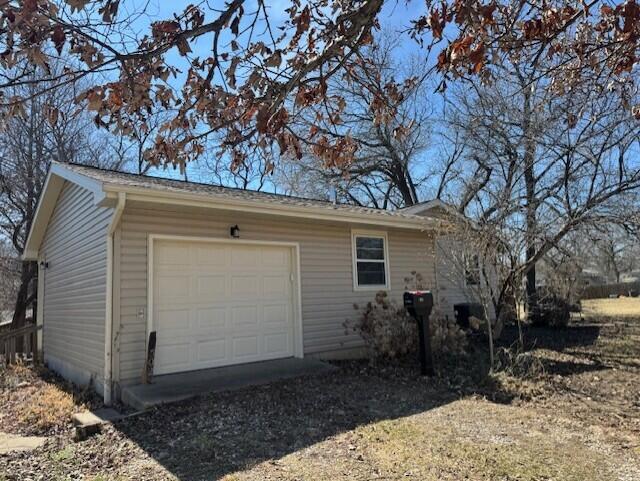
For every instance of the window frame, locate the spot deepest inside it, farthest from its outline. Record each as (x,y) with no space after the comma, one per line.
(355,234)
(469,270)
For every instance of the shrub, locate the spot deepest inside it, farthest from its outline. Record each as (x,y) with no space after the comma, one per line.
(555,311)
(47,408)
(386,327)
(446,336)
(389,331)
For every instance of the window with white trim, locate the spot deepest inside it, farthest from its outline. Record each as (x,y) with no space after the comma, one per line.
(472,270)
(370,261)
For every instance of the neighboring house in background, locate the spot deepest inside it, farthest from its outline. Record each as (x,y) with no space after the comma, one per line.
(223,276)
(591,277)
(9,283)
(6,317)
(457,273)
(630,277)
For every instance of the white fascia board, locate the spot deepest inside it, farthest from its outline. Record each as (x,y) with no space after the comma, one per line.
(53,184)
(94,186)
(426,206)
(46,203)
(195,200)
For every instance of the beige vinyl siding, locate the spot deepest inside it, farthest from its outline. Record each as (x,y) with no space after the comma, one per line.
(452,288)
(74,246)
(450,275)
(325,263)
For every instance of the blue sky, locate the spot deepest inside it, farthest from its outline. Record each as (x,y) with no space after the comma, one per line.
(395,18)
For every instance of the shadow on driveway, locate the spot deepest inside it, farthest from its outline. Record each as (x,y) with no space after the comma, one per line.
(222,433)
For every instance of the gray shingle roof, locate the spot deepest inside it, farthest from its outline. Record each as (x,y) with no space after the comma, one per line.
(216,191)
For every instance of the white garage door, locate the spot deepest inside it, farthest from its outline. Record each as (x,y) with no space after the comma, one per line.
(216,304)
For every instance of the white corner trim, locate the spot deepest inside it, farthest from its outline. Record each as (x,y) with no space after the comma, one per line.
(354,259)
(50,189)
(40,303)
(108,317)
(298,346)
(91,185)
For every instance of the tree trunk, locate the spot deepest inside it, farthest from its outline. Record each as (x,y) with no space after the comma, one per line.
(533,310)
(25,296)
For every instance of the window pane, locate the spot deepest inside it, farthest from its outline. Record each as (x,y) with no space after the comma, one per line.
(370,248)
(472,272)
(371,274)
(473,277)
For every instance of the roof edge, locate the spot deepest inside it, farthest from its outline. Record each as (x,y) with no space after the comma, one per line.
(426,206)
(101,190)
(146,194)
(51,189)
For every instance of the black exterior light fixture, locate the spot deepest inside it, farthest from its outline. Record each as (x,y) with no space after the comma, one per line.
(234,231)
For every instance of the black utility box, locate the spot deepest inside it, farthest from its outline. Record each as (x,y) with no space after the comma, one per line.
(465,310)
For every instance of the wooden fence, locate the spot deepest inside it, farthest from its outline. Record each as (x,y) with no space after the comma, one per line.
(19,344)
(607,290)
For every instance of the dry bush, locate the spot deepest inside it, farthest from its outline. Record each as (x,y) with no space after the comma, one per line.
(386,328)
(389,331)
(555,311)
(446,336)
(47,408)
(517,363)
(34,401)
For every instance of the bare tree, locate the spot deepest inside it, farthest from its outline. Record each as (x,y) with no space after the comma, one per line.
(129,150)
(246,75)
(541,165)
(49,128)
(9,278)
(254,171)
(615,251)
(389,165)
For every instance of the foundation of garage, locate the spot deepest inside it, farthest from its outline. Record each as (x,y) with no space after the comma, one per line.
(170,388)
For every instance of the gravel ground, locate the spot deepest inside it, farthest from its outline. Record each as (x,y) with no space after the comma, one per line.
(575,418)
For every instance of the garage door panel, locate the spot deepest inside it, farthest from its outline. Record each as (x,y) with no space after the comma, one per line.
(206,256)
(211,287)
(172,286)
(243,256)
(276,286)
(176,357)
(244,287)
(275,258)
(212,351)
(277,314)
(245,346)
(244,316)
(173,320)
(225,304)
(212,318)
(172,254)
(278,343)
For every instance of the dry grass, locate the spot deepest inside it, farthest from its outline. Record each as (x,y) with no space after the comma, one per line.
(620,307)
(47,408)
(468,439)
(36,402)
(568,410)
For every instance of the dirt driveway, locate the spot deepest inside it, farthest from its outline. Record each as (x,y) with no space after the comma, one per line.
(576,418)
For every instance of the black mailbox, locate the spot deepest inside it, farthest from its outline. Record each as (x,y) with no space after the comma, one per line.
(419,304)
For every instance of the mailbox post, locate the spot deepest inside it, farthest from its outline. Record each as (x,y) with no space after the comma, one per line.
(419,304)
